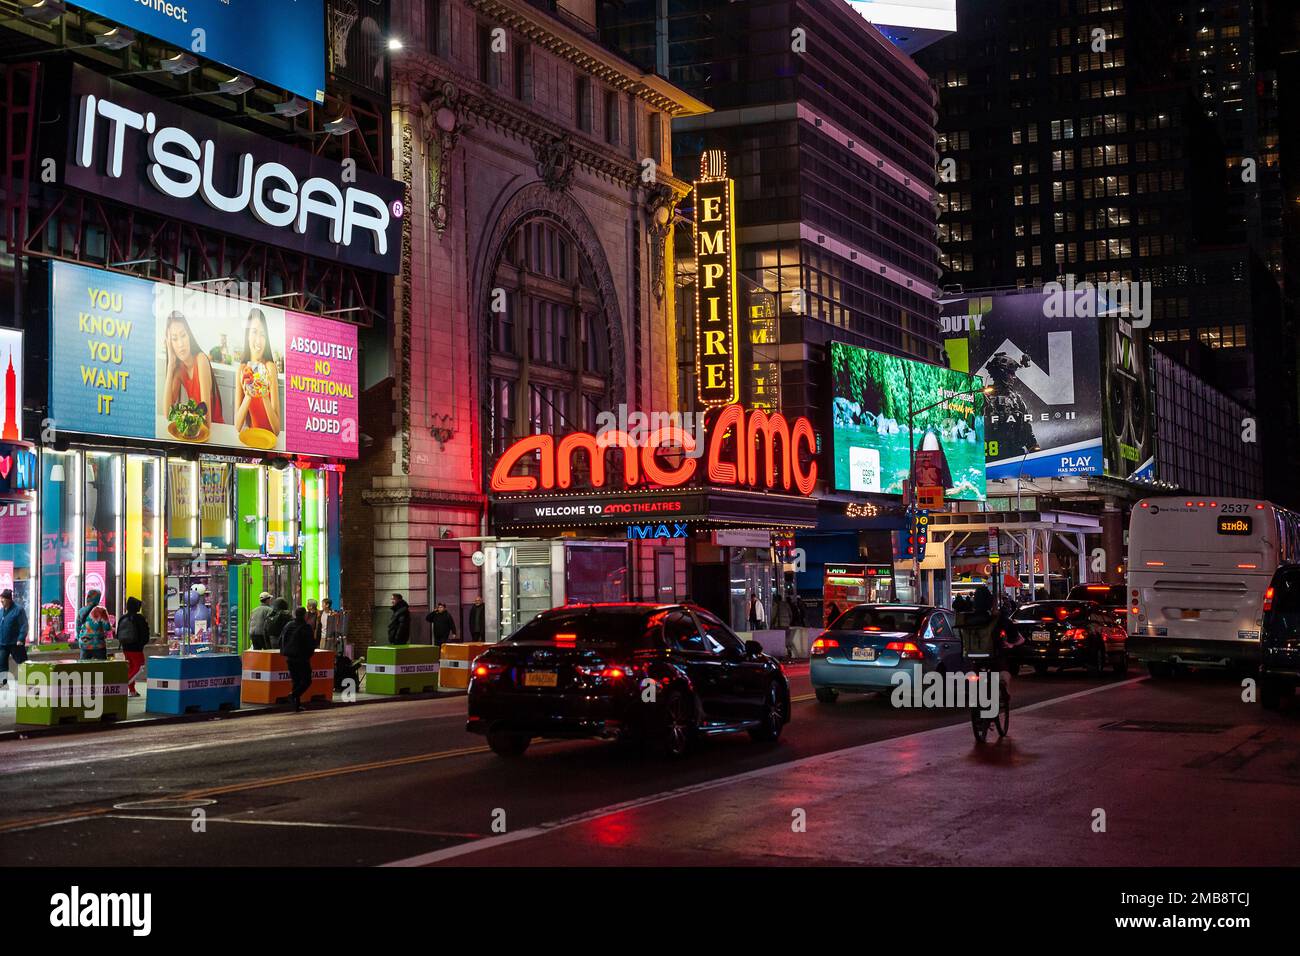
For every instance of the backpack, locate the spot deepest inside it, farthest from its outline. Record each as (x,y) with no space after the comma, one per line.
(276,624)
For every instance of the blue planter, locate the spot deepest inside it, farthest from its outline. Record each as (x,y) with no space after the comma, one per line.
(187,685)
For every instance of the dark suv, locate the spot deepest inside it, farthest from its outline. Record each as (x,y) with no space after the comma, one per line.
(662,674)
(1279,668)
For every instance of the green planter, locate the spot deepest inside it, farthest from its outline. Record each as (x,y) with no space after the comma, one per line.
(65,692)
(401,668)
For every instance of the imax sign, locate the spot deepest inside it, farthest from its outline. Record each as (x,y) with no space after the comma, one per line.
(641,531)
(159,156)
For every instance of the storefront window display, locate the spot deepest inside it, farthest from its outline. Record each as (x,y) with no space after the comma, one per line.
(60,522)
(196,540)
(595,574)
(102,529)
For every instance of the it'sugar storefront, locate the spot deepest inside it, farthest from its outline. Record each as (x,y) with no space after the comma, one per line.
(191,445)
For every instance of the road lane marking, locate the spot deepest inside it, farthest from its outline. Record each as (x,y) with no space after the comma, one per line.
(56,819)
(297,823)
(464,849)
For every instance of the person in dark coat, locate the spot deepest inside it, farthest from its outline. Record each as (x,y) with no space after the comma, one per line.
(832,612)
(133,635)
(444,625)
(477,620)
(13,632)
(399,625)
(297,645)
(278,621)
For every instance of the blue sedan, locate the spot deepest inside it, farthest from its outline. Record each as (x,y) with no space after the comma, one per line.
(866,645)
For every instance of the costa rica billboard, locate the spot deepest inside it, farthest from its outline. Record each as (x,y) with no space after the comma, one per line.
(870,408)
(279,41)
(133,358)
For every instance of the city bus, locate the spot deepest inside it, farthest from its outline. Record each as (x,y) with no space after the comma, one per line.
(1197,572)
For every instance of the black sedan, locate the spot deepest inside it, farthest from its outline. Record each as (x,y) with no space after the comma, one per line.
(665,675)
(1070,634)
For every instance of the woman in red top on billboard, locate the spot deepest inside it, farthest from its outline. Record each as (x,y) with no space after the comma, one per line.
(257,386)
(189,380)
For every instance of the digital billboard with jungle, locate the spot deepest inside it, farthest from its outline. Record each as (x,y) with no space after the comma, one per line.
(871,444)
(134,358)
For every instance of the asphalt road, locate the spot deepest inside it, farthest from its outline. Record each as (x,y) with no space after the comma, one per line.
(378,784)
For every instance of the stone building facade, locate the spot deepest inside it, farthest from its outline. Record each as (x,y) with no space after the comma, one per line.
(535,287)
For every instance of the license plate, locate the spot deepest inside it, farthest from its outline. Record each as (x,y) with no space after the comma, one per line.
(539,679)
(1041,636)
(864,653)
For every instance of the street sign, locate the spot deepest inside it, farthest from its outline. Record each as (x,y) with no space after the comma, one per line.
(929,497)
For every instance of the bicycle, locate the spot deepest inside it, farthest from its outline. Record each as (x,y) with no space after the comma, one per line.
(978,633)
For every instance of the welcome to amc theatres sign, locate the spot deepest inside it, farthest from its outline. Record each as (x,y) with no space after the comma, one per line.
(155,155)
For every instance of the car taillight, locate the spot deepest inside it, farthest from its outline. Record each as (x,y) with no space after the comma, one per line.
(822,645)
(1076,634)
(906,650)
(1268,599)
(487,669)
(610,672)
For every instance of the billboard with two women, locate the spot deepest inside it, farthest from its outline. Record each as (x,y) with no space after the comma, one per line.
(139,359)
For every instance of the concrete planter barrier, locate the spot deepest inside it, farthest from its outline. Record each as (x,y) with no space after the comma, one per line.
(265,678)
(453,673)
(65,692)
(401,668)
(189,685)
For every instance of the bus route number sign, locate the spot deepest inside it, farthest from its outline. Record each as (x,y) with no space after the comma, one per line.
(1235,524)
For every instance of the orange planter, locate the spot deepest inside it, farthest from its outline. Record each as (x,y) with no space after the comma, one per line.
(453,669)
(266,677)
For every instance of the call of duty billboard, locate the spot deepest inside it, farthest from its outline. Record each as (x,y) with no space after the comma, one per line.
(1070,394)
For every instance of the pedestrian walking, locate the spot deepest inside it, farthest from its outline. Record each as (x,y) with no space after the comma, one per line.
(133,635)
(399,625)
(297,645)
(757,616)
(94,634)
(257,622)
(13,634)
(313,620)
(444,625)
(83,612)
(832,613)
(477,620)
(796,611)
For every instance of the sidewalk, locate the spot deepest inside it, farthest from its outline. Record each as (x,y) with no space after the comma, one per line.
(137,716)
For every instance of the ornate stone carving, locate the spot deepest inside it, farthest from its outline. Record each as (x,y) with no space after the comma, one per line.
(440,127)
(554,163)
(660,205)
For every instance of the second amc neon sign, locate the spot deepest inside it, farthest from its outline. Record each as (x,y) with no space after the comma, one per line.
(781,443)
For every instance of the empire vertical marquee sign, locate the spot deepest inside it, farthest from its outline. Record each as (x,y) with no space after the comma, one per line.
(717,322)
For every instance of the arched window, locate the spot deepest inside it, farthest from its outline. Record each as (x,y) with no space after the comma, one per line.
(549,361)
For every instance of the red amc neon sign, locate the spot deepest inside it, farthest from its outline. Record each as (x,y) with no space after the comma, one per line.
(739,467)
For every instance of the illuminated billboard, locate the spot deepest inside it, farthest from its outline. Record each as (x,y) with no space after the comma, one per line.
(279,41)
(1070,395)
(872,444)
(139,359)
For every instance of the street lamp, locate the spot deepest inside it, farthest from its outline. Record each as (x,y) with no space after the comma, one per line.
(1020,472)
(911,457)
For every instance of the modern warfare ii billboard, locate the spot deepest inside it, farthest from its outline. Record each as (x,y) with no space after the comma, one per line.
(1053,358)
